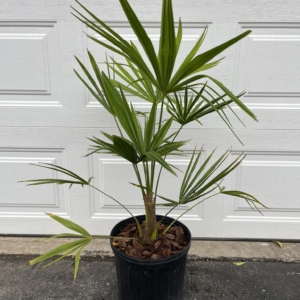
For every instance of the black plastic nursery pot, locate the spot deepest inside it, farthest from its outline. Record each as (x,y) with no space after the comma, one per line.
(160,279)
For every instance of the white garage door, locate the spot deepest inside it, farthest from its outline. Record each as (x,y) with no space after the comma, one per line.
(46,113)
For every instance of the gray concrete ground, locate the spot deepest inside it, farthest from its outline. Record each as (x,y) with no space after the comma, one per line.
(270,272)
(199,249)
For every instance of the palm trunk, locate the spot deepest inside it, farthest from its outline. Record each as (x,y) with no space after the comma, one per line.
(150,218)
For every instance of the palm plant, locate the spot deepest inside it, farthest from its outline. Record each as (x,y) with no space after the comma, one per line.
(181,95)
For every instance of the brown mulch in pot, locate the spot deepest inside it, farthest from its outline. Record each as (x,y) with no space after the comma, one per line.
(165,245)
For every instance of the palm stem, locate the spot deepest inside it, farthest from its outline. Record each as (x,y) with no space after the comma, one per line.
(152,173)
(137,222)
(161,112)
(158,177)
(188,211)
(146,175)
(118,126)
(138,175)
(154,234)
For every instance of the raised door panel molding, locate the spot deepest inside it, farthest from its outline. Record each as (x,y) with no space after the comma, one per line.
(268,64)
(30,74)
(191,33)
(114,175)
(273,178)
(28,201)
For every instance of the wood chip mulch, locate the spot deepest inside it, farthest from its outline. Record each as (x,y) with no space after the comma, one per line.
(165,245)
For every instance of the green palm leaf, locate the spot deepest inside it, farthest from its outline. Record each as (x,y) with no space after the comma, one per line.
(202,189)
(98,93)
(120,146)
(125,114)
(149,128)
(234,98)
(190,169)
(193,51)
(202,59)
(171,148)
(160,135)
(179,36)
(122,47)
(142,37)
(78,180)
(59,250)
(63,256)
(77,259)
(159,159)
(143,80)
(196,185)
(167,46)
(193,188)
(133,87)
(125,149)
(251,200)
(70,225)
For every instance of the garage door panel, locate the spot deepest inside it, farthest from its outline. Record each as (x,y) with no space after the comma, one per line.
(276,118)
(109,173)
(268,64)
(15,164)
(273,178)
(46,112)
(31,76)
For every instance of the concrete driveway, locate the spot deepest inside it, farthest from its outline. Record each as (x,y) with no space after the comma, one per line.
(269,272)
